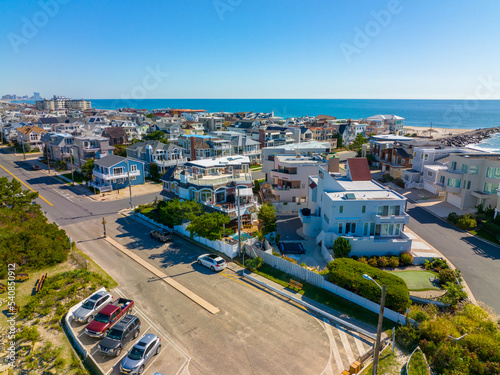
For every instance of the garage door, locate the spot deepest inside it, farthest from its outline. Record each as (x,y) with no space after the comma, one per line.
(429,187)
(454,199)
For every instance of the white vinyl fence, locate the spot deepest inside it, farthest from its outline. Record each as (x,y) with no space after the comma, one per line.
(326,253)
(231,250)
(319,281)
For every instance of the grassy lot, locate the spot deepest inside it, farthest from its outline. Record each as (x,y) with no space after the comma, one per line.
(417,280)
(41,344)
(78,177)
(324,297)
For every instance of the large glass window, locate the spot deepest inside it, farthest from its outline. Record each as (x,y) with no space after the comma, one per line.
(454,182)
(490,188)
(341,209)
(383,210)
(465,167)
(341,228)
(395,210)
(492,172)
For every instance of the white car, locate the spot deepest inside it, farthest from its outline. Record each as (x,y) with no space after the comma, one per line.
(212,261)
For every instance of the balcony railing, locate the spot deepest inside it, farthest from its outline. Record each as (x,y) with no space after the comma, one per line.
(115,176)
(403,218)
(285,171)
(168,163)
(281,188)
(204,180)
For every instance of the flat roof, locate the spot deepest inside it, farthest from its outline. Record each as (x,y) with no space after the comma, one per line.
(302,145)
(364,195)
(220,162)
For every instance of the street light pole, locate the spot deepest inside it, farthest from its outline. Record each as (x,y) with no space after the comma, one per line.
(379,326)
(129,186)
(239,223)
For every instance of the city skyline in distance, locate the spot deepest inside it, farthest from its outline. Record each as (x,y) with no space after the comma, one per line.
(239,49)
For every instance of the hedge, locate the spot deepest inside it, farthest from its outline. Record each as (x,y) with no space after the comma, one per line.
(348,274)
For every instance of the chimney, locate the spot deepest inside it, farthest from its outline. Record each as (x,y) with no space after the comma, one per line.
(193,150)
(333,165)
(262,137)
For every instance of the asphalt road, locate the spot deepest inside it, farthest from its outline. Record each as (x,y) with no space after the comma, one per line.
(255,332)
(478,260)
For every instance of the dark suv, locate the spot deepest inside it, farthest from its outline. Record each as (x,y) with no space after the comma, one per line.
(117,338)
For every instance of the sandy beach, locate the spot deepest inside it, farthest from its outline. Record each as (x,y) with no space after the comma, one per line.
(436,132)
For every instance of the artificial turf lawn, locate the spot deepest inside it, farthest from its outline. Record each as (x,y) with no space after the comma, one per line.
(417,280)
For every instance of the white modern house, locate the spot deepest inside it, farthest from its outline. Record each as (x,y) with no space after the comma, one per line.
(354,206)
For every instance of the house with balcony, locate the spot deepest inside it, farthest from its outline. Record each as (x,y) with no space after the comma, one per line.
(116,135)
(198,147)
(466,180)
(357,208)
(305,149)
(92,147)
(59,146)
(116,172)
(241,144)
(31,135)
(290,175)
(164,156)
(391,123)
(214,183)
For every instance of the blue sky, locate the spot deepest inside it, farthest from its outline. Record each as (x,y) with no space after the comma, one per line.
(251,48)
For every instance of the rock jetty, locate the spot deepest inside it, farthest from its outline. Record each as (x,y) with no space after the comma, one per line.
(474,136)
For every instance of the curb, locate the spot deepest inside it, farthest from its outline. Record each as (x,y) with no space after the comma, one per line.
(452,266)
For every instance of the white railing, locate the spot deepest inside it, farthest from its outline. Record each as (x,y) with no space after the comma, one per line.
(212,180)
(102,188)
(169,163)
(114,176)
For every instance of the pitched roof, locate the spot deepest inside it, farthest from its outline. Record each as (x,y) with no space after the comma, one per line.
(48,120)
(114,132)
(402,152)
(359,169)
(109,161)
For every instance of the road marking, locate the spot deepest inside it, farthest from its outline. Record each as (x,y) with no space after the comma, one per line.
(167,279)
(345,343)
(333,350)
(17,178)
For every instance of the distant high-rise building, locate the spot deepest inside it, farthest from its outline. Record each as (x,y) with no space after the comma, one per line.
(36,96)
(62,103)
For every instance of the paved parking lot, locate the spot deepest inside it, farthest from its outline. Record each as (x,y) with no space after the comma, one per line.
(254,333)
(171,360)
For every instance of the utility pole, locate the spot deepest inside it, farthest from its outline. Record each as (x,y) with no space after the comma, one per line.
(129,186)
(104,226)
(47,152)
(379,331)
(239,223)
(24,153)
(72,169)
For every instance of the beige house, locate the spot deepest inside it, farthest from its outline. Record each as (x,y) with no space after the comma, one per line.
(31,135)
(467,180)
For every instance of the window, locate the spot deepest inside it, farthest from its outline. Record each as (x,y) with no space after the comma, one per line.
(441,180)
(372,229)
(468,185)
(327,219)
(383,210)
(365,229)
(429,173)
(341,228)
(341,209)
(453,165)
(385,229)
(426,157)
(490,188)
(363,209)
(133,168)
(454,182)
(396,229)
(465,168)
(133,178)
(394,210)
(492,172)
(118,170)
(474,169)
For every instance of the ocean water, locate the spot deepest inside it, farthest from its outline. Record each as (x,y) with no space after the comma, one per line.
(491,144)
(464,114)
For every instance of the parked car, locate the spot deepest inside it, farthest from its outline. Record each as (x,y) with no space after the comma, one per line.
(35,167)
(140,354)
(108,317)
(120,335)
(161,235)
(90,307)
(212,261)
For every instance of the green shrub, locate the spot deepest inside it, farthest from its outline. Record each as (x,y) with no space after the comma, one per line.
(405,259)
(393,262)
(407,337)
(348,273)
(255,263)
(373,262)
(418,315)
(466,223)
(363,260)
(492,227)
(453,217)
(383,261)
(454,294)
(446,276)
(354,257)
(439,264)
(341,247)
